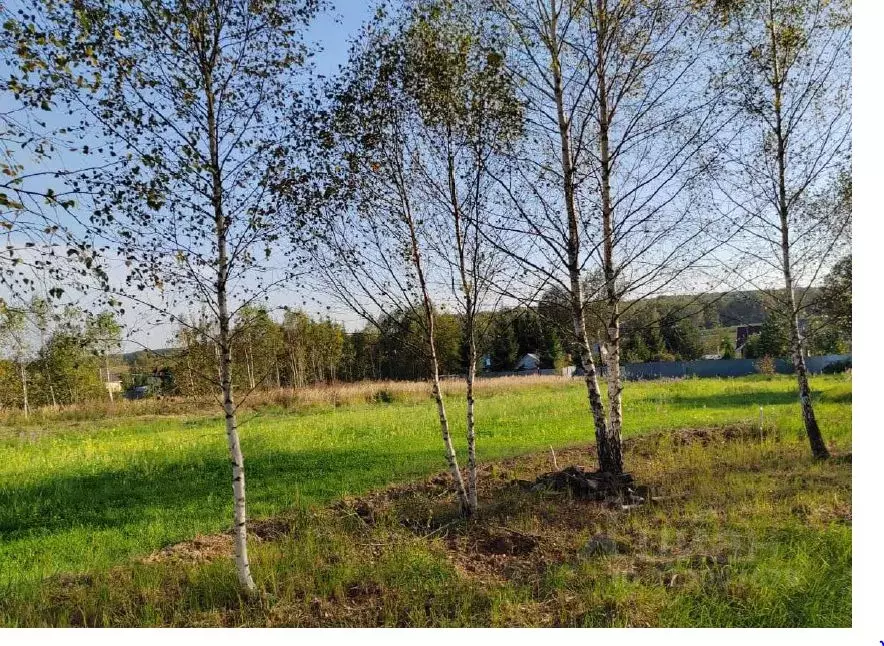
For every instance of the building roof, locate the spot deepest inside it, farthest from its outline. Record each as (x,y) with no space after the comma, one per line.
(529,361)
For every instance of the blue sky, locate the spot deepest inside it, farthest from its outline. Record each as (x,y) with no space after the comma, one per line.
(334,28)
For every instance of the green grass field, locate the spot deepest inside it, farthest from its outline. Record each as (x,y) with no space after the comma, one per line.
(87,496)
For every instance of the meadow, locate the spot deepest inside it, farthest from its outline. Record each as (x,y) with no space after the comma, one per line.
(85,502)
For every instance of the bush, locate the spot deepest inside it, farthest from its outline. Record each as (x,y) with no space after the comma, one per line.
(383,396)
(837,367)
(765,365)
(662,356)
(727,348)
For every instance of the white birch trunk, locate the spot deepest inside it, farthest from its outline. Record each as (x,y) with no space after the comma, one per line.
(223,349)
(110,393)
(615,399)
(814,435)
(612,461)
(429,319)
(468,281)
(472,466)
(450,453)
(240,547)
(573,251)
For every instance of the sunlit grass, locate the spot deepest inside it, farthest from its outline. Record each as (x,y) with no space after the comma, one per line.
(85,496)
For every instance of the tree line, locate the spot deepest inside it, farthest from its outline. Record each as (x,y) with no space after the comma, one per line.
(47,363)
(52,358)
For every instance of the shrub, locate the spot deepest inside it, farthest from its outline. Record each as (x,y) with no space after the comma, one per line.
(383,396)
(727,348)
(765,365)
(837,367)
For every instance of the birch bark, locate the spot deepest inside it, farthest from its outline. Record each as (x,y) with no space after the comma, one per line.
(430,321)
(241,555)
(24,389)
(612,461)
(468,289)
(814,435)
(573,247)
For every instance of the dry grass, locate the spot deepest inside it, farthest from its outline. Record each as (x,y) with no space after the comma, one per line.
(332,395)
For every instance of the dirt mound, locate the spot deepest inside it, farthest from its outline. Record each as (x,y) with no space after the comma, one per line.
(270,529)
(207,548)
(706,436)
(427,507)
(591,485)
(508,542)
(199,550)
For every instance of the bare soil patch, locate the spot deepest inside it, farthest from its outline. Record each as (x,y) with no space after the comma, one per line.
(204,548)
(484,544)
(592,485)
(198,550)
(532,518)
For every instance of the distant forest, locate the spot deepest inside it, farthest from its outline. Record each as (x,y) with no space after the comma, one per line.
(67,357)
(299,350)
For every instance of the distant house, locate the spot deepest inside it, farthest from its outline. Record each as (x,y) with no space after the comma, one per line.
(529,362)
(113,383)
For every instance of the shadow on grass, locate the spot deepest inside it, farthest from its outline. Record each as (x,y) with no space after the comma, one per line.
(840,398)
(126,497)
(743,400)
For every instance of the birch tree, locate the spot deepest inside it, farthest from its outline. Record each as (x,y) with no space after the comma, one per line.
(16,341)
(258,347)
(374,257)
(468,114)
(788,186)
(623,128)
(417,115)
(190,105)
(651,155)
(105,334)
(545,185)
(836,302)
(38,224)
(43,315)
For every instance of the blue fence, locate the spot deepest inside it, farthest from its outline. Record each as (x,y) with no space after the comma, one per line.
(720,367)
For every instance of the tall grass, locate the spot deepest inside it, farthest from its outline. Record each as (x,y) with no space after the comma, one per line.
(331,395)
